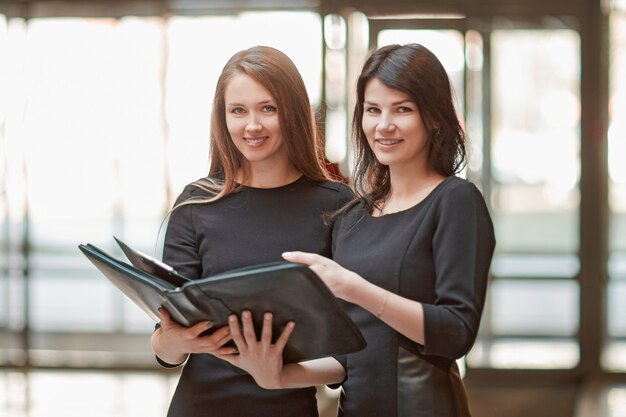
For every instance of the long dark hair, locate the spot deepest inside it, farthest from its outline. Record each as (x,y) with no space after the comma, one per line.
(415,71)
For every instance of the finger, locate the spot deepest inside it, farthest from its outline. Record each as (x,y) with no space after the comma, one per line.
(220,337)
(166,319)
(198,328)
(306,258)
(248,328)
(227,338)
(226,351)
(235,333)
(284,336)
(266,333)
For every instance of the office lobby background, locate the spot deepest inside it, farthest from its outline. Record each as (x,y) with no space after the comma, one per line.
(104,117)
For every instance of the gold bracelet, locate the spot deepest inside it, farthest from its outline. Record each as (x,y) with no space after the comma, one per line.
(382,306)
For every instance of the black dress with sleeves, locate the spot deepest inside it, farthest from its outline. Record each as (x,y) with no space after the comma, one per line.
(437,252)
(246,228)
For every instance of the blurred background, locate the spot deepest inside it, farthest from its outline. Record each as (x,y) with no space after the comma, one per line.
(104,117)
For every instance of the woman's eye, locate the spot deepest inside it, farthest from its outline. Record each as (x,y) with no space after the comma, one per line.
(269,108)
(404,109)
(237,110)
(372,110)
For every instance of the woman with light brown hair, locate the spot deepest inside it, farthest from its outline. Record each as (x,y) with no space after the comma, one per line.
(267,192)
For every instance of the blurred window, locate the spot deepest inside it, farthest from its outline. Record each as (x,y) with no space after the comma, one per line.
(531,318)
(615,353)
(102,123)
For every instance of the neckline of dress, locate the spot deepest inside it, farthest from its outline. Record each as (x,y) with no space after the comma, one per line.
(249,187)
(419,203)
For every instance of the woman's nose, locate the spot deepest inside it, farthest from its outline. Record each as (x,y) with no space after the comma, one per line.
(253,124)
(386,124)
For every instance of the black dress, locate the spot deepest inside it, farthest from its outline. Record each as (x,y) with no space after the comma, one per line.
(246,228)
(438,253)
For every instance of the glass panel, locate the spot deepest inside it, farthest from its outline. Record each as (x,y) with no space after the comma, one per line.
(525,354)
(614,356)
(535,131)
(617,309)
(538,307)
(617,266)
(474,104)
(94,394)
(72,304)
(536,140)
(615,353)
(337,124)
(12,188)
(135,319)
(94,95)
(4,214)
(535,266)
(4,300)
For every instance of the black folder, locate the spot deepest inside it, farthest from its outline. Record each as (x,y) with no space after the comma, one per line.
(292,292)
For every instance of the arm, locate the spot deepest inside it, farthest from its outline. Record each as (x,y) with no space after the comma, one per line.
(404,315)
(263,359)
(171,342)
(463,246)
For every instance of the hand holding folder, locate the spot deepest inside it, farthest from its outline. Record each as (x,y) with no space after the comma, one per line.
(292,292)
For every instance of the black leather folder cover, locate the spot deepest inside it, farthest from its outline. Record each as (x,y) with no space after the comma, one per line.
(292,292)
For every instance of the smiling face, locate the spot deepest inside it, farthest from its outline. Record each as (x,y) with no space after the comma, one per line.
(393,126)
(253,123)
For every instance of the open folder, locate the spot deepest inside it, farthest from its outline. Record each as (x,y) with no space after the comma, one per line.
(292,292)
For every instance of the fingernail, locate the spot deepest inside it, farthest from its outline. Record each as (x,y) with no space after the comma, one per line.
(291,324)
(246,314)
(268,316)
(287,254)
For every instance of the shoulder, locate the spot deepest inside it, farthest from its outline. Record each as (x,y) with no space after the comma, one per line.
(334,189)
(455,189)
(334,186)
(197,190)
(460,198)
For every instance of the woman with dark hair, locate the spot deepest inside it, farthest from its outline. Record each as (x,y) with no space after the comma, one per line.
(411,252)
(266,192)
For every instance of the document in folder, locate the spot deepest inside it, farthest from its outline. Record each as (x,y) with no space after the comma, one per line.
(292,292)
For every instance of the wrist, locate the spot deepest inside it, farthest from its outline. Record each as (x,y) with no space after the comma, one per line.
(165,353)
(355,288)
(352,287)
(271,384)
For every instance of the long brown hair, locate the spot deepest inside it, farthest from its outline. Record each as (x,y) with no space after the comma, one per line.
(415,71)
(301,137)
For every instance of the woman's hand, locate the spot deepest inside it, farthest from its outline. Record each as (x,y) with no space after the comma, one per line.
(260,358)
(340,280)
(172,342)
(404,315)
